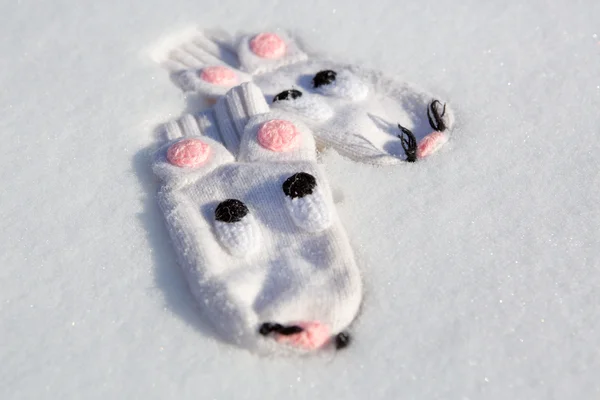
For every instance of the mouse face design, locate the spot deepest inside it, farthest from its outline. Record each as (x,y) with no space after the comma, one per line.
(361,113)
(258,237)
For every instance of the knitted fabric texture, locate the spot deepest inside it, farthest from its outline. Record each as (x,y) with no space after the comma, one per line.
(361,113)
(255,229)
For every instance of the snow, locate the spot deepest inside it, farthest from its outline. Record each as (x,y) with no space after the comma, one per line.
(480,264)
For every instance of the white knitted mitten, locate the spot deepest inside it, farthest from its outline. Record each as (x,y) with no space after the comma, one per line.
(258,236)
(361,113)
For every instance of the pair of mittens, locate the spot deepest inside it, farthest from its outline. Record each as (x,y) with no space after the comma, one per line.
(256,232)
(361,113)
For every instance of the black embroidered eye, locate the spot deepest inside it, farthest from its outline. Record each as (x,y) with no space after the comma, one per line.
(231,210)
(287,95)
(299,185)
(324,78)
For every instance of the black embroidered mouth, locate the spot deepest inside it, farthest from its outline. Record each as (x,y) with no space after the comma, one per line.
(270,327)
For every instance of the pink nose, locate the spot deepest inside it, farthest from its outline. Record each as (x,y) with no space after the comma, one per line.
(314,335)
(431,143)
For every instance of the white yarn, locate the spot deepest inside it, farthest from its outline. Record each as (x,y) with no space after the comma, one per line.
(310,107)
(288,260)
(346,86)
(357,114)
(310,212)
(241,238)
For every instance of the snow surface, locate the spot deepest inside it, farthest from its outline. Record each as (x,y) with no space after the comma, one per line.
(480,264)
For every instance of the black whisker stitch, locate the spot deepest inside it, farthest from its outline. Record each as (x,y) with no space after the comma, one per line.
(436,121)
(409,143)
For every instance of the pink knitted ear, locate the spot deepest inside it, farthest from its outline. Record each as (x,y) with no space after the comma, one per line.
(268,45)
(278,135)
(219,75)
(431,143)
(313,336)
(188,153)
